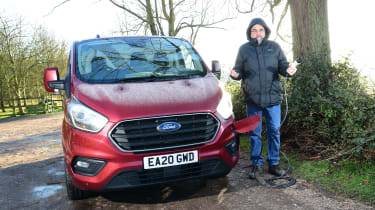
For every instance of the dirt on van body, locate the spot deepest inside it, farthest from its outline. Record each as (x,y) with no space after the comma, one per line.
(32,177)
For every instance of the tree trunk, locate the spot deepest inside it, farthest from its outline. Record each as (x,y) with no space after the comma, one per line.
(172,19)
(150,18)
(2,100)
(11,102)
(310,28)
(18,97)
(24,96)
(2,96)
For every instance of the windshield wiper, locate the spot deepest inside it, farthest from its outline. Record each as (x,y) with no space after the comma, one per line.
(174,45)
(140,79)
(160,77)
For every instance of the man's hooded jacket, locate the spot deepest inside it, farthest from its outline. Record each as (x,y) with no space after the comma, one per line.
(259,66)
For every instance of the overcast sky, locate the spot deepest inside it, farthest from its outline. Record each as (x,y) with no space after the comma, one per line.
(351,27)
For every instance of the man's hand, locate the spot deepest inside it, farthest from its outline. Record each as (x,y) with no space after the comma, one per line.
(291,70)
(234,74)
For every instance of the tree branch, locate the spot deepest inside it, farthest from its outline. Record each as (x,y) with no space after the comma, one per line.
(143,4)
(127,10)
(245,11)
(273,4)
(178,4)
(285,11)
(350,151)
(206,25)
(158,20)
(55,7)
(164,8)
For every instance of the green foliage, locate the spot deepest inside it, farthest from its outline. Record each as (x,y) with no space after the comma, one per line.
(354,179)
(331,102)
(37,109)
(245,144)
(25,52)
(239,106)
(351,178)
(9,113)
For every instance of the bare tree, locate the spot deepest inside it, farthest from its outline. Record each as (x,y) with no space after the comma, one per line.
(170,17)
(24,53)
(161,17)
(14,53)
(260,6)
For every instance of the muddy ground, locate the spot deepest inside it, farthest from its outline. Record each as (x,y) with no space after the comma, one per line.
(32,177)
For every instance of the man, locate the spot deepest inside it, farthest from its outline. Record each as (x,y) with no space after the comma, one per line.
(258,64)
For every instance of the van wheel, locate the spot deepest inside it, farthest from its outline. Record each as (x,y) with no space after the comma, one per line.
(73,192)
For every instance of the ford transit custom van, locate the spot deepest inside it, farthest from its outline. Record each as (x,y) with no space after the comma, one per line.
(141,111)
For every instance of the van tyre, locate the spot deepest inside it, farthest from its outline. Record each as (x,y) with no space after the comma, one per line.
(73,192)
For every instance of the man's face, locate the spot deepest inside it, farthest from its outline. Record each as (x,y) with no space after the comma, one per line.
(257,32)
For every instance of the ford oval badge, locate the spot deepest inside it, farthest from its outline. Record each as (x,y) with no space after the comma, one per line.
(168,127)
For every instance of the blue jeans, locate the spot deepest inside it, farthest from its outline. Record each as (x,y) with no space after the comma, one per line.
(272,115)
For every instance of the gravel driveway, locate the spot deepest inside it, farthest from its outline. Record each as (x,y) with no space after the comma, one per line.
(32,177)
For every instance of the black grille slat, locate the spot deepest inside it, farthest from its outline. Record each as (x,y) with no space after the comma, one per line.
(151,124)
(159,142)
(156,133)
(141,134)
(140,128)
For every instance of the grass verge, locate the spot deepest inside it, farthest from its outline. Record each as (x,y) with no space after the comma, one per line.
(353,179)
(9,114)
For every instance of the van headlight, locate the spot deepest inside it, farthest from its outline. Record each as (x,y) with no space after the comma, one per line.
(84,118)
(225,108)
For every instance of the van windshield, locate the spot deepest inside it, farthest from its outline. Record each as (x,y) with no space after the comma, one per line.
(132,59)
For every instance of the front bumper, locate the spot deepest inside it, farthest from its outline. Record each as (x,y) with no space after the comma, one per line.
(125,169)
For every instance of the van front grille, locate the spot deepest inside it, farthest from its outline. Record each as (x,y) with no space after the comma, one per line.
(142,135)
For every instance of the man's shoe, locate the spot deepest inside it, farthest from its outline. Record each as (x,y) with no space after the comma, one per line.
(276,170)
(255,171)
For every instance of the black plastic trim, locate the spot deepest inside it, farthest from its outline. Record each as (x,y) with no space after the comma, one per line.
(92,160)
(144,177)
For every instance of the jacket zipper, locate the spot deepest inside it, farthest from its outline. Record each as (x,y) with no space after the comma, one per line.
(260,81)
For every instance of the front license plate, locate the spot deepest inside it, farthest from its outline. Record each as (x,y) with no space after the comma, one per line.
(175,159)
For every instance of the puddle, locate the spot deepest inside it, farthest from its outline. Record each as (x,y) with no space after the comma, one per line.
(54,171)
(46,191)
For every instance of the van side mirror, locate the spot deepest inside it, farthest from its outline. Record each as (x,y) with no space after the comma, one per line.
(52,82)
(216,68)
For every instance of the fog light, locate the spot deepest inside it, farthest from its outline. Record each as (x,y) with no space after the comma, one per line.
(232,147)
(83,164)
(87,166)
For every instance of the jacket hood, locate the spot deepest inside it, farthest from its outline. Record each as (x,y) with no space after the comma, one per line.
(261,22)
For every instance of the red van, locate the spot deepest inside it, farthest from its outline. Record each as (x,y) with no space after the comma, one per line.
(141,111)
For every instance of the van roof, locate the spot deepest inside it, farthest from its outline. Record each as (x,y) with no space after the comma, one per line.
(115,37)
